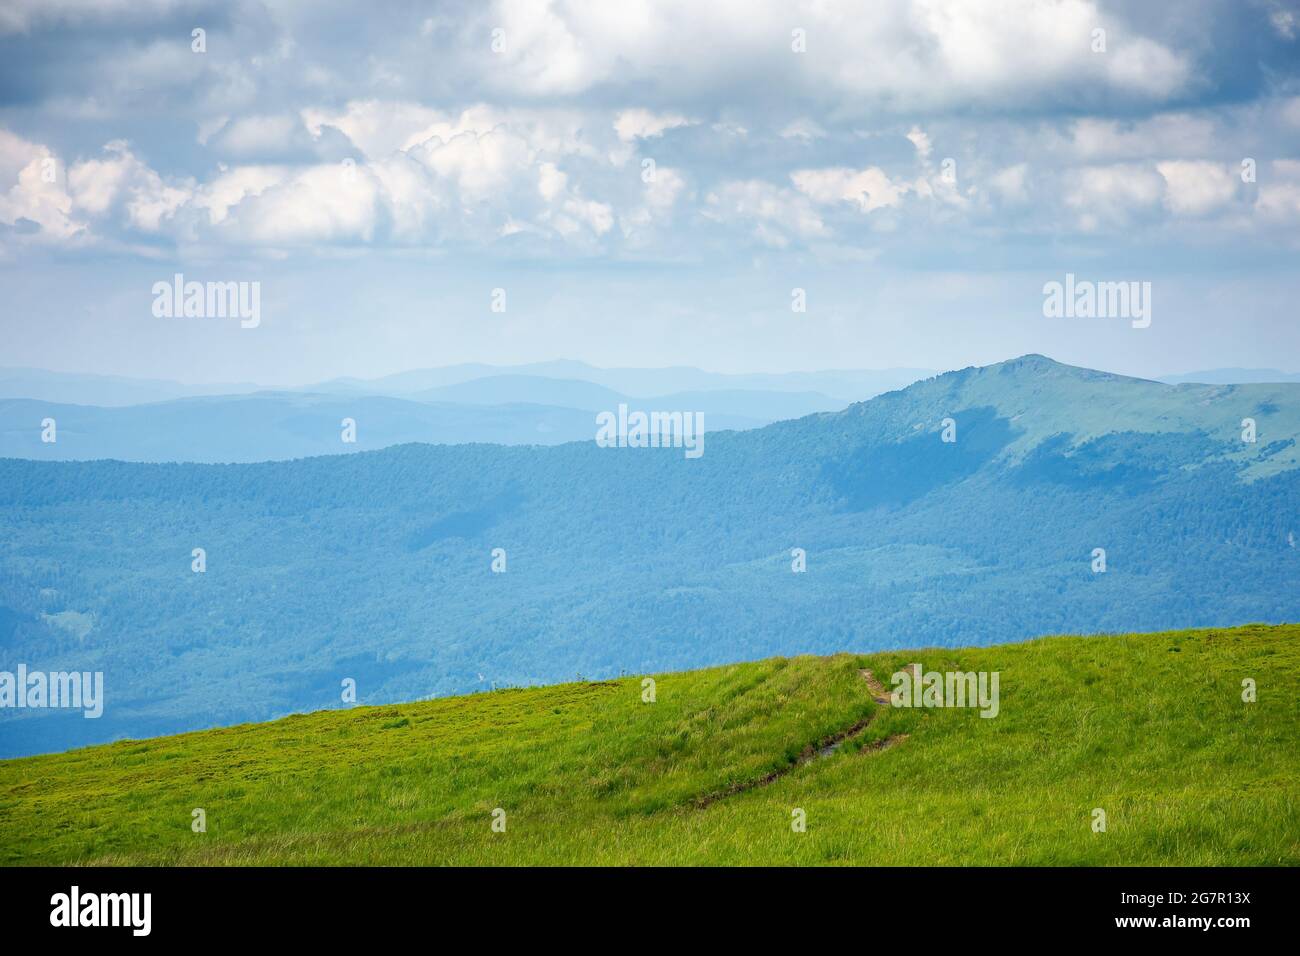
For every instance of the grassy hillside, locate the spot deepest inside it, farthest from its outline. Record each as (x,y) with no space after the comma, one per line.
(1151,728)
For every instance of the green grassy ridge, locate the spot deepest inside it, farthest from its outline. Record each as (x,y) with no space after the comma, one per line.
(1149,727)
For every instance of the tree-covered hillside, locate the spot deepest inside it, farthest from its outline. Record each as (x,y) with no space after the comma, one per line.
(378,566)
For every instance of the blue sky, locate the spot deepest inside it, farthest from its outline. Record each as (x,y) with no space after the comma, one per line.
(921,169)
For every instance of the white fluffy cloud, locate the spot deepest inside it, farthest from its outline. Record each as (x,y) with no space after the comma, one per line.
(58,203)
(425,176)
(473,176)
(1279,197)
(317,204)
(233,186)
(1010,184)
(868,188)
(1170,134)
(379,127)
(775,215)
(1197,187)
(905,55)
(547,135)
(34,202)
(643,124)
(118,182)
(644,222)
(535,116)
(1114,195)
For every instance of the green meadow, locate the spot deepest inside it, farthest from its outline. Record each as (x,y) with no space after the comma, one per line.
(1151,729)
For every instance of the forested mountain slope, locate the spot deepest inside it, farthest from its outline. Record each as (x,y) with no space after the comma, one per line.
(378,566)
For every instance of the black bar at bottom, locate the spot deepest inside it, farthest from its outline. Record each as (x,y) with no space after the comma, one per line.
(337,905)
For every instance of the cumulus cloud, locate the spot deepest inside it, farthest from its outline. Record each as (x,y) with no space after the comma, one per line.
(117,182)
(774,214)
(325,204)
(1010,184)
(926,54)
(643,124)
(1197,187)
(641,224)
(918,138)
(1114,195)
(232,186)
(379,127)
(1279,197)
(35,202)
(471,177)
(1171,134)
(533,116)
(868,189)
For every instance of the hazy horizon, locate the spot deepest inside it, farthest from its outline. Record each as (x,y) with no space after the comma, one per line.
(508,368)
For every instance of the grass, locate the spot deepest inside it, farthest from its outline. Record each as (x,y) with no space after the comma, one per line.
(1151,728)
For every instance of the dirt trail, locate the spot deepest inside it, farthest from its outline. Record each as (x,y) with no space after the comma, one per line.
(879,692)
(824,748)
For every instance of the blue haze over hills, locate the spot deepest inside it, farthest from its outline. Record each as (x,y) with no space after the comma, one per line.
(377,565)
(543,403)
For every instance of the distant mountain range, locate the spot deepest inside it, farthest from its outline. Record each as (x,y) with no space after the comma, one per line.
(273,426)
(545,404)
(841,386)
(110,390)
(377,567)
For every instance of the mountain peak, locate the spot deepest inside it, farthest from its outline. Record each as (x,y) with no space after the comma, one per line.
(1042,365)
(1033,360)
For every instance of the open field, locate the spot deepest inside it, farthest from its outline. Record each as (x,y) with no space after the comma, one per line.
(1151,728)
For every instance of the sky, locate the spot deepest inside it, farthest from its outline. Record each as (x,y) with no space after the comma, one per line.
(647,184)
